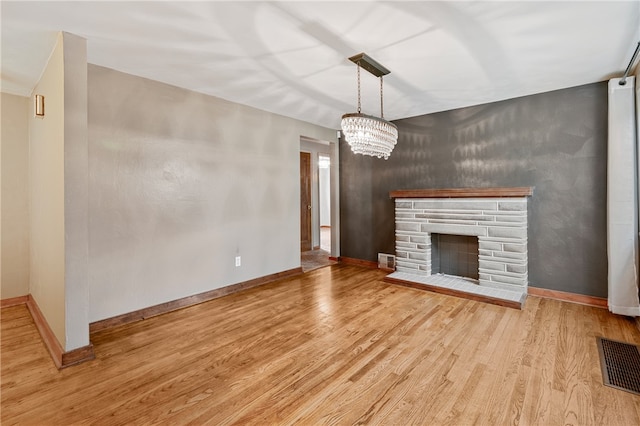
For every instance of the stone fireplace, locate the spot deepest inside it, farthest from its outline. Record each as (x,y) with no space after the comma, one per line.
(496,216)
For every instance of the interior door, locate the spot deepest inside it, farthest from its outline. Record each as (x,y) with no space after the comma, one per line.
(305,201)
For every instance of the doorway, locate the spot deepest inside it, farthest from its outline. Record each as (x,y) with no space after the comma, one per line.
(317,203)
(324,201)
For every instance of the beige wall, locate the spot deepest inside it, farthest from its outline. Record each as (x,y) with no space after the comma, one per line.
(14,227)
(44,194)
(179,184)
(76,177)
(46,190)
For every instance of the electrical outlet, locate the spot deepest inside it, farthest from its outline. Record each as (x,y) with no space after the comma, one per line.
(238,260)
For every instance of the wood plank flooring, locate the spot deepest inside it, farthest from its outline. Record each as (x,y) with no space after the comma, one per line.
(334,346)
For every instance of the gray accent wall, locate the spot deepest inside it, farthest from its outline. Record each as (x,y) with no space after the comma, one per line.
(555,142)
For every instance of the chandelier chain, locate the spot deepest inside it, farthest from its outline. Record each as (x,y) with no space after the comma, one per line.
(381,102)
(359,106)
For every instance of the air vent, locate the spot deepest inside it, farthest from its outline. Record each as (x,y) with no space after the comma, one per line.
(386,262)
(620,364)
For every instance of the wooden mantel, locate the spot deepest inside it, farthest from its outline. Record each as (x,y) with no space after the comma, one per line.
(523,191)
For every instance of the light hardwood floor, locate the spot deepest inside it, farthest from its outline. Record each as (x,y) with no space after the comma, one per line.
(334,346)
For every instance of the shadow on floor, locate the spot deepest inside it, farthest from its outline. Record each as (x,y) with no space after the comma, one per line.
(314,259)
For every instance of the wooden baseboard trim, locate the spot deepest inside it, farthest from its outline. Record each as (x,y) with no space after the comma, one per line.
(14,301)
(456,293)
(335,259)
(78,356)
(580,299)
(49,339)
(60,358)
(185,302)
(358,262)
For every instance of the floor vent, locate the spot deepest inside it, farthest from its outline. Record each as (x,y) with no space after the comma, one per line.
(386,262)
(620,364)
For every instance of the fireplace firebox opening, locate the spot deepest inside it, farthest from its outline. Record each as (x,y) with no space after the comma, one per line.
(454,255)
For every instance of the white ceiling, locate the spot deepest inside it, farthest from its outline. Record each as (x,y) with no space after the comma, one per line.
(290,58)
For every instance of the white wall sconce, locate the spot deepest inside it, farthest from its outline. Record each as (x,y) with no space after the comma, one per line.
(39,105)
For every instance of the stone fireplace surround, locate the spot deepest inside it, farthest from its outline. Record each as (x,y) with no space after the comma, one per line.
(497,216)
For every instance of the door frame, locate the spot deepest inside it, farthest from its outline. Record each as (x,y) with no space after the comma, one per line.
(321,201)
(306,213)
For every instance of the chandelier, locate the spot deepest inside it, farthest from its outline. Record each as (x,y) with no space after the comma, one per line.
(367,134)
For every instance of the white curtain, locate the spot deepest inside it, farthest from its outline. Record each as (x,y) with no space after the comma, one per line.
(622,199)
